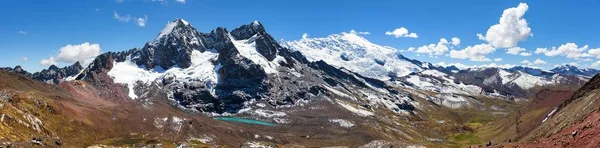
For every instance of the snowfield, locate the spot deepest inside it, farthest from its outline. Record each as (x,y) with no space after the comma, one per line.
(202,69)
(354,52)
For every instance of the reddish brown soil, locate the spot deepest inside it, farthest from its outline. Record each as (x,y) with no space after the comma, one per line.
(585,134)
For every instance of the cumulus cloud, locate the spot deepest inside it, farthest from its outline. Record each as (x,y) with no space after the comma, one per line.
(141,21)
(511,28)
(365,33)
(434,49)
(594,52)
(83,53)
(402,32)
(473,53)
(514,50)
(525,54)
(48,62)
(455,41)
(498,59)
(569,50)
(180,1)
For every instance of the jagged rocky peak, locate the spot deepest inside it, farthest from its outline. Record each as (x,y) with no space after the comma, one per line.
(265,44)
(172,47)
(55,75)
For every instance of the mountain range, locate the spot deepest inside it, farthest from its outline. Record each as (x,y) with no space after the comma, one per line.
(189,88)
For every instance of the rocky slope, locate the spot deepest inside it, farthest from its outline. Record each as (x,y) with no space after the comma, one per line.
(52,75)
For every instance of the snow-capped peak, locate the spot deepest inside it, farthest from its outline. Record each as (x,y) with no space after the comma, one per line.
(356,53)
(171,26)
(255,23)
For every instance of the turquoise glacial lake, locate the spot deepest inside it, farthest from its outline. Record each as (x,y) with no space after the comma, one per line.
(244,120)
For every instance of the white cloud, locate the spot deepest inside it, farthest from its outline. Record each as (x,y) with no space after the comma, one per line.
(525,54)
(434,49)
(22,32)
(511,29)
(536,62)
(570,50)
(180,1)
(48,62)
(402,32)
(142,21)
(539,62)
(514,50)
(473,53)
(480,37)
(498,59)
(164,2)
(84,53)
(360,32)
(120,18)
(455,41)
(596,64)
(496,65)
(594,52)
(305,35)
(25,59)
(411,49)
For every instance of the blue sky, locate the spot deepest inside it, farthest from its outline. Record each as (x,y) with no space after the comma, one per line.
(39,30)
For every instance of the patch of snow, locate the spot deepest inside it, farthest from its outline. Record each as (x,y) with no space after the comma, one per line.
(71,78)
(268,113)
(261,105)
(247,49)
(549,115)
(256,144)
(433,73)
(281,121)
(339,93)
(357,111)
(177,123)
(129,73)
(167,30)
(342,122)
